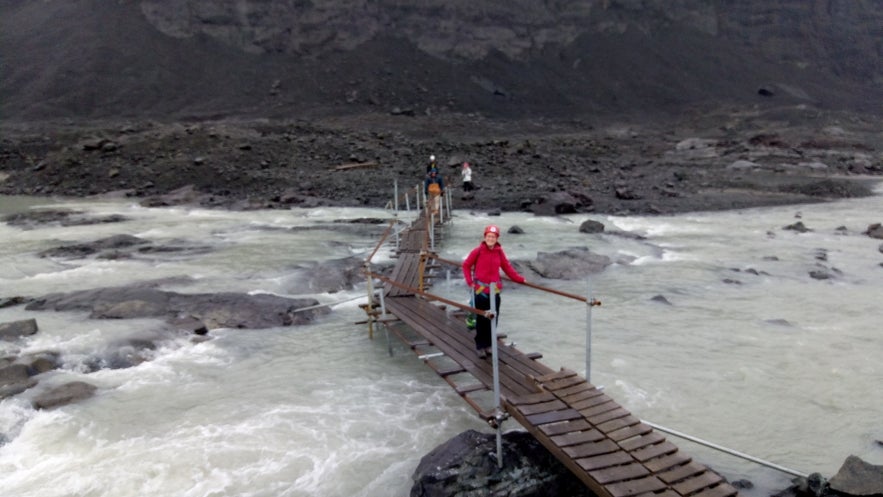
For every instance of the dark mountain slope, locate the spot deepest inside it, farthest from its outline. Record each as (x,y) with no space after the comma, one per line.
(198,59)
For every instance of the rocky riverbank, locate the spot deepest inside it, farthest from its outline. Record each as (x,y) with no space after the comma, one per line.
(710,160)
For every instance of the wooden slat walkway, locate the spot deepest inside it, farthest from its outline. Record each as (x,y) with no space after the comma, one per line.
(602,443)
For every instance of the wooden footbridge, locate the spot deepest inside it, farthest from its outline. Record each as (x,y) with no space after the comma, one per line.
(614,453)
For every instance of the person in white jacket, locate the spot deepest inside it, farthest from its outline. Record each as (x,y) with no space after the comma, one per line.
(466,174)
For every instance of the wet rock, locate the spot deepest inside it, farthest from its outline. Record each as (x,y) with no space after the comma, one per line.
(798,227)
(515,230)
(16,329)
(184,195)
(13,373)
(189,324)
(64,394)
(875,231)
(660,299)
(123,354)
(111,243)
(333,275)
(859,478)
(11,301)
(41,362)
(466,465)
(37,218)
(824,273)
(779,322)
(570,264)
(16,387)
(216,310)
(591,226)
(16,372)
(556,203)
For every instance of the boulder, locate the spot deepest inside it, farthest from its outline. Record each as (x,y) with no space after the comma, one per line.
(875,231)
(215,310)
(466,465)
(591,226)
(570,264)
(857,477)
(11,301)
(16,329)
(64,394)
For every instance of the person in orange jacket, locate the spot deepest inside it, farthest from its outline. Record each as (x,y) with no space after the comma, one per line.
(481,268)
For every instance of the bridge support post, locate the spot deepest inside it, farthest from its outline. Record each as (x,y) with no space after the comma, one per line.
(370,308)
(589,302)
(498,408)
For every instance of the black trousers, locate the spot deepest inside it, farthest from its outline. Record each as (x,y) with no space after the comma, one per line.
(483,324)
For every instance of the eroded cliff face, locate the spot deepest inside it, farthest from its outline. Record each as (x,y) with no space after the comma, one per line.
(501,58)
(843,36)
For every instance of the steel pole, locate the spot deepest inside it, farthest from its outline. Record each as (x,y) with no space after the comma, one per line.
(725,449)
(589,302)
(498,408)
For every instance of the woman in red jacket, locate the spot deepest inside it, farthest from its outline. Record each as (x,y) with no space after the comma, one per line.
(481,268)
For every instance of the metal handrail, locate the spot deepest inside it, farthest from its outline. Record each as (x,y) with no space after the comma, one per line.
(580,298)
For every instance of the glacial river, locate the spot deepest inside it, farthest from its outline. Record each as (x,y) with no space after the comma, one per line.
(752,353)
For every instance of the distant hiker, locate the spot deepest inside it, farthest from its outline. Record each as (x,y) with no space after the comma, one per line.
(481,268)
(432,165)
(466,174)
(433,188)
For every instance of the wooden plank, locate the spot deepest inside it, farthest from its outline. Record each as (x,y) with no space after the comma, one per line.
(569,463)
(629,432)
(617,424)
(592,413)
(577,437)
(587,403)
(565,427)
(533,398)
(531,409)
(698,482)
(589,449)
(618,412)
(667,462)
(583,394)
(552,417)
(722,490)
(619,473)
(415,317)
(451,370)
(665,493)
(433,323)
(635,487)
(652,451)
(563,383)
(581,387)
(680,472)
(470,388)
(604,461)
(636,443)
(556,375)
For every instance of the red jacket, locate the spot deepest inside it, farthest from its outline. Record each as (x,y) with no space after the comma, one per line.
(483,264)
